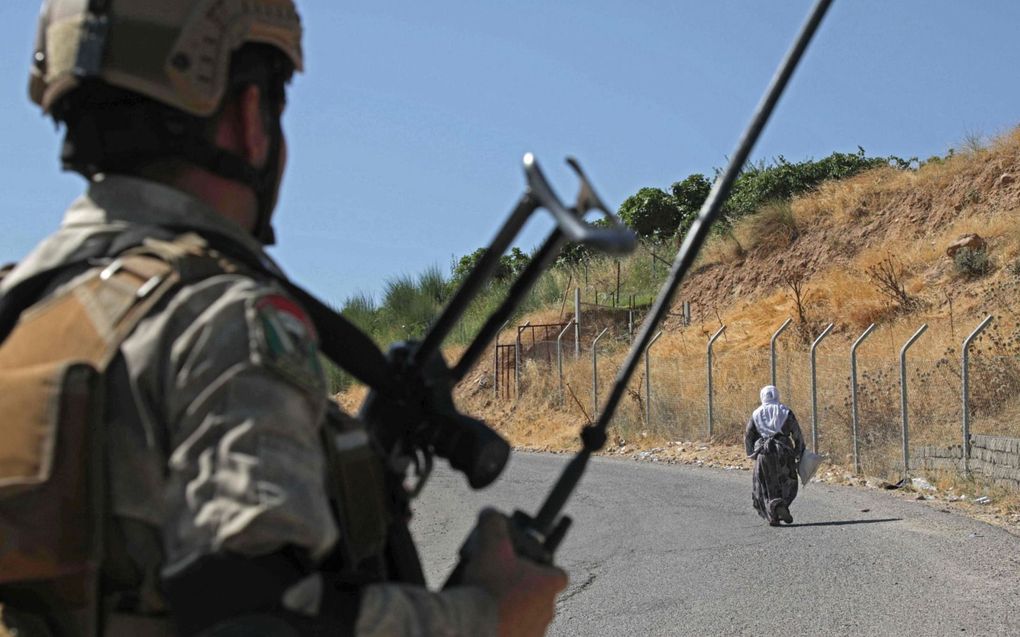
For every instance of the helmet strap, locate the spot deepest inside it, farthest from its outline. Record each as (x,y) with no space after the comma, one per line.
(264,181)
(120,141)
(268,188)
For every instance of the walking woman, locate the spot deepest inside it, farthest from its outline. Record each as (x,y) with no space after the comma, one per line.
(774,440)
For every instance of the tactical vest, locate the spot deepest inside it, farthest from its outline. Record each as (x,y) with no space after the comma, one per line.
(52,482)
(52,507)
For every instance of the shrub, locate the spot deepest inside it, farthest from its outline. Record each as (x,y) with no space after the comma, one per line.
(509,266)
(689,195)
(889,278)
(651,212)
(773,225)
(760,183)
(971,263)
(361,310)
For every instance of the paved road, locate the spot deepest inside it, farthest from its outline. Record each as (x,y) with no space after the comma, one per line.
(676,550)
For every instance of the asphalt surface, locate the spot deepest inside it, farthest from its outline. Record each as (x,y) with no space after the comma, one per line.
(678,550)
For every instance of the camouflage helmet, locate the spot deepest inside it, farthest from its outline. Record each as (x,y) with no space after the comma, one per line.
(176,52)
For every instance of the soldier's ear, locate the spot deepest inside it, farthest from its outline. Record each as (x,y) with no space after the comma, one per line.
(242,128)
(253,136)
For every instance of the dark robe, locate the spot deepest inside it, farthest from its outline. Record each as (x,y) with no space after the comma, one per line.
(775,467)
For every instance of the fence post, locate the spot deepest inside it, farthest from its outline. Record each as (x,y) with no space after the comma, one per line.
(853,395)
(630,318)
(711,342)
(577,323)
(687,313)
(559,358)
(595,375)
(517,360)
(616,299)
(966,390)
(772,347)
(903,396)
(648,381)
(814,388)
(495,367)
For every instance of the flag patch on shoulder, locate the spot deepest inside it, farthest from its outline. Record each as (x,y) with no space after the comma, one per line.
(287,342)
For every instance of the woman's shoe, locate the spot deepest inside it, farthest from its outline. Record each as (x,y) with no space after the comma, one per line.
(783,513)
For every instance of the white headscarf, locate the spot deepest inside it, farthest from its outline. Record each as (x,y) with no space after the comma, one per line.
(770,417)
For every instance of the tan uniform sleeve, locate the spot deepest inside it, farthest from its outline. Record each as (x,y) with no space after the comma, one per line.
(246,470)
(408,611)
(244,406)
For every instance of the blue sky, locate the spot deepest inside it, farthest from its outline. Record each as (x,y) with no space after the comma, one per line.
(407,130)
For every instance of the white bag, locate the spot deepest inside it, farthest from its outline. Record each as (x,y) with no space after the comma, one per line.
(808,465)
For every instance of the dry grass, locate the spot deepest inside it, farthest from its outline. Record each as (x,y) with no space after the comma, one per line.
(773,228)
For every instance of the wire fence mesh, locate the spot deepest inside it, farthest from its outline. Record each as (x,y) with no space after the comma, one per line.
(672,403)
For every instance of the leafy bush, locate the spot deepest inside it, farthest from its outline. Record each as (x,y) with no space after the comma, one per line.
(651,212)
(971,263)
(510,265)
(690,194)
(575,253)
(760,183)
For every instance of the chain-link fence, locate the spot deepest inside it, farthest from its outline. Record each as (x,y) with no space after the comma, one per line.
(702,382)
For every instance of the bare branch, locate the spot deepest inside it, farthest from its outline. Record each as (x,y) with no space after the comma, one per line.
(887,277)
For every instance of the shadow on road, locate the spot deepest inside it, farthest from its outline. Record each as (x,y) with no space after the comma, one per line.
(845,522)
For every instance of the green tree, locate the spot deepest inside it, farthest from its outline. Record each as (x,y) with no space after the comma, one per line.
(689,195)
(509,266)
(651,212)
(574,253)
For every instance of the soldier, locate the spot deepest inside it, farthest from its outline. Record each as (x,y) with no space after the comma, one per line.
(165,462)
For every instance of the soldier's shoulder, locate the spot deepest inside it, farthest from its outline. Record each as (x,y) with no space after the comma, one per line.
(236,318)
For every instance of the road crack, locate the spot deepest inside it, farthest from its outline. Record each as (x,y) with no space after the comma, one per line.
(577,590)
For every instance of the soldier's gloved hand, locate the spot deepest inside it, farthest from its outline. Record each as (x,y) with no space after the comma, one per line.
(525,590)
